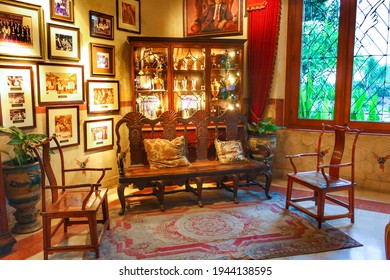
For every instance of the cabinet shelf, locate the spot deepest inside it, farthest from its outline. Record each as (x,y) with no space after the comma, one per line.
(188,78)
(150,91)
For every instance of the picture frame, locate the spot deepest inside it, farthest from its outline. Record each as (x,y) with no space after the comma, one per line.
(62,10)
(60,84)
(63,121)
(199,18)
(28,34)
(102,96)
(102,60)
(98,135)
(17,104)
(63,42)
(128,15)
(101,25)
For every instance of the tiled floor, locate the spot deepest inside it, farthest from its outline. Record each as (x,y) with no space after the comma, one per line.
(368,229)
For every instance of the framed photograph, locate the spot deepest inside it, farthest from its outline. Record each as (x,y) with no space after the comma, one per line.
(64,122)
(102,97)
(98,135)
(102,60)
(128,15)
(62,10)
(17,105)
(60,84)
(63,42)
(213,18)
(101,25)
(21,30)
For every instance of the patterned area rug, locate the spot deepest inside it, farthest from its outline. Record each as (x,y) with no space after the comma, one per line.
(256,228)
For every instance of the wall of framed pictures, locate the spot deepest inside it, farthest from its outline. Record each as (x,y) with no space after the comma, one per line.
(66,69)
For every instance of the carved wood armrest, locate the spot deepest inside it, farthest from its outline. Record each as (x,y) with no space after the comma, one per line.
(103,170)
(291,157)
(322,166)
(301,155)
(92,186)
(263,150)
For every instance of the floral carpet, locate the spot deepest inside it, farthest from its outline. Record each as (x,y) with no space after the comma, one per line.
(255,228)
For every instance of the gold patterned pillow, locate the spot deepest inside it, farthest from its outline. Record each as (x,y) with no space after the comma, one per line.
(229,151)
(162,153)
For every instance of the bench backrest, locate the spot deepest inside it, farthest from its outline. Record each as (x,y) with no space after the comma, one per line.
(200,130)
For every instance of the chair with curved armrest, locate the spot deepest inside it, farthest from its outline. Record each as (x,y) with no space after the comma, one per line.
(69,204)
(323,183)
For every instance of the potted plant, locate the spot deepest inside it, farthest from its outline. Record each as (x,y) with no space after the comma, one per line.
(262,132)
(22,179)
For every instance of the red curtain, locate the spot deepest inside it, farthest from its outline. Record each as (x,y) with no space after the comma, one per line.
(263,33)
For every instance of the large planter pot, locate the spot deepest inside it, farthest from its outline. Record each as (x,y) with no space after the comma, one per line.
(22,186)
(255,141)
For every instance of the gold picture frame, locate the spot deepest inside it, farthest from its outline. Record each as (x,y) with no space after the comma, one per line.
(101,25)
(17,104)
(62,10)
(200,18)
(60,84)
(98,135)
(63,42)
(128,15)
(102,60)
(28,35)
(102,97)
(64,122)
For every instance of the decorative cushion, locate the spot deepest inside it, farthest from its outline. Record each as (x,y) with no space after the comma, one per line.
(162,153)
(229,151)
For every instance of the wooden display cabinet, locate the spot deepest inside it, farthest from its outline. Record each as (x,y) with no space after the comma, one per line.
(185,74)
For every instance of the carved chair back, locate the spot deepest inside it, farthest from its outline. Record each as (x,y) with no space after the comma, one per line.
(199,130)
(339,148)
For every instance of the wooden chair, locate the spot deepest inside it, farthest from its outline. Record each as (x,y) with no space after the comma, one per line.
(69,204)
(323,183)
(387,241)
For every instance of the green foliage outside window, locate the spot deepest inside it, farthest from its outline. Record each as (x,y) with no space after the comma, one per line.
(370,96)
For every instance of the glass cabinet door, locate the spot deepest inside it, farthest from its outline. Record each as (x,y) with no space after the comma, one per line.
(225,80)
(151,80)
(189,80)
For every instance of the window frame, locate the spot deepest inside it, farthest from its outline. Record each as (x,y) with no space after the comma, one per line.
(344,71)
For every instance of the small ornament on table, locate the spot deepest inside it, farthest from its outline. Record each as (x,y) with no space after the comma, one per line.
(184,83)
(193,83)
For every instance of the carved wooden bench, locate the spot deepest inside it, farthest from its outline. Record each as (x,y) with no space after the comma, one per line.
(199,132)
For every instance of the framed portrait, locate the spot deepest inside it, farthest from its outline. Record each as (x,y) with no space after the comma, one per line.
(60,84)
(63,42)
(102,97)
(101,25)
(128,15)
(98,135)
(64,122)
(17,104)
(102,60)
(62,10)
(213,18)
(21,30)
